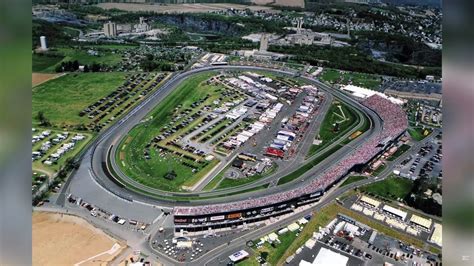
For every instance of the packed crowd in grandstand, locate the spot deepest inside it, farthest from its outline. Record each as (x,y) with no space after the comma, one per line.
(394,124)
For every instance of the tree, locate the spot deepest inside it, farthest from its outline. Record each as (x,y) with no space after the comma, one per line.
(42,119)
(95,67)
(75,65)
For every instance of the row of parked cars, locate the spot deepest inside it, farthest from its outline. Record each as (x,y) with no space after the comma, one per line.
(96,212)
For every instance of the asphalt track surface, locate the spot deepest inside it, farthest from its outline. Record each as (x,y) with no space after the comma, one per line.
(100,149)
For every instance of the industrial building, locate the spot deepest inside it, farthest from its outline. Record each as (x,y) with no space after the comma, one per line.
(110,29)
(327,257)
(44,46)
(142,26)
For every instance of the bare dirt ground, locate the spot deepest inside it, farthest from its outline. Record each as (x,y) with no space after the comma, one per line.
(263,2)
(182,8)
(38,78)
(69,240)
(292,3)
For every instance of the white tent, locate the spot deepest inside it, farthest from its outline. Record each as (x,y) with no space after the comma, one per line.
(327,257)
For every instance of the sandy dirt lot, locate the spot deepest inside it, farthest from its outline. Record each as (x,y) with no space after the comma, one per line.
(292,3)
(263,2)
(181,8)
(38,78)
(67,240)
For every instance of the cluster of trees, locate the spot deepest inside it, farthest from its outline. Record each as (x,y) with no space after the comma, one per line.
(43,121)
(54,33)
(226,44)
(418,200)
(400,48)
(252,23)
(351,59)
(149,63)
(70,165)
(71,66)
(220,24)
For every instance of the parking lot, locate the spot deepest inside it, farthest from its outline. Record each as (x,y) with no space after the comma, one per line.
(362,245)
(425,163)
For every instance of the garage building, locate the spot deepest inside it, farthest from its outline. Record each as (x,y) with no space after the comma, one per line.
(370,201)
(421,222)
(396,212)
(437,236)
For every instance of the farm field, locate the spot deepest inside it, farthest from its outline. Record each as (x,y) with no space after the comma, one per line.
(163,158)
(180,8)
(63,98)
(72,237)
(38,78)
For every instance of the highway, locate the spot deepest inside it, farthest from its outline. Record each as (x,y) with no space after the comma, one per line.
(105,144)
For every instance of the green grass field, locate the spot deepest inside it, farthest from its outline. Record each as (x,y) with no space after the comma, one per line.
(215,181)
(45,63)
(63,98)
(353,179)
(379,170)
(417,133)
(345,116)
(390,188)
(228,183)
(81,55)
(108,54)
(151,172)
(358,79)
(273,253)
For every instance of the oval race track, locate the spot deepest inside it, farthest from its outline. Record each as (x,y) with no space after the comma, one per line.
(96,156)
